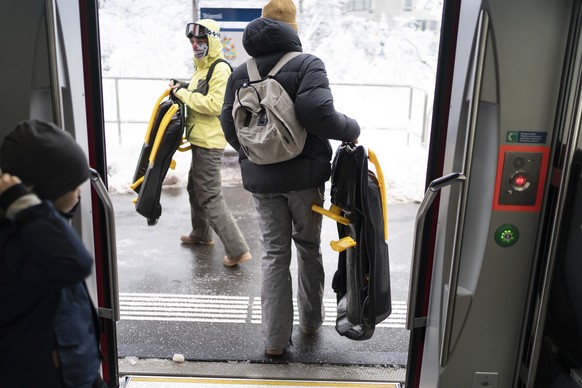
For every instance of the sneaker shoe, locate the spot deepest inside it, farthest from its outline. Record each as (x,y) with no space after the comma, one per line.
(275,352)
(239,260)
(310,330)
(187,240)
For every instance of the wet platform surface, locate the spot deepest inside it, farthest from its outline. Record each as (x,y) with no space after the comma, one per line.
(178,299)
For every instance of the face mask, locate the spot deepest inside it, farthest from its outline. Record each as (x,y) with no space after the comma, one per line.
(200,50)
(71,213)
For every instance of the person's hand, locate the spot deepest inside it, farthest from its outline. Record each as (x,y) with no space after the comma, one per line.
(7,181)
(174,85)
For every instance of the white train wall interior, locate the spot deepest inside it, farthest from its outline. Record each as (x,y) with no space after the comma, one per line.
(495,299)
(505,137)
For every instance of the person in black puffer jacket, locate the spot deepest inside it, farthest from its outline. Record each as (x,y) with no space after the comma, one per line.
(284,192)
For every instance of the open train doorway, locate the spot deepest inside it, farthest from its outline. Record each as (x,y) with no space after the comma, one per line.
(178,300)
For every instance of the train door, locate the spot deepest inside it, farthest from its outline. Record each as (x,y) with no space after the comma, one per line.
(50,70)
(551,344)
(505,105)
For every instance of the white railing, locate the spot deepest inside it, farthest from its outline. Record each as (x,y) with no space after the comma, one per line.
(129,101)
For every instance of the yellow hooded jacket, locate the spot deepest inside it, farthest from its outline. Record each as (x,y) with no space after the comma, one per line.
(202,120)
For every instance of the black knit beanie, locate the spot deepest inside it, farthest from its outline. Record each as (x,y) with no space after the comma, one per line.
(44,157)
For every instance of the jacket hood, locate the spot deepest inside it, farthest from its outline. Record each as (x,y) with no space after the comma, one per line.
(214,44)
(268,36)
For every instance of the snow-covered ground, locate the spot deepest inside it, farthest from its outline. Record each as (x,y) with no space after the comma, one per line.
(144,39)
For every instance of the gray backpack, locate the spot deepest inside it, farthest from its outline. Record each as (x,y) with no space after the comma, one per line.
(264,117)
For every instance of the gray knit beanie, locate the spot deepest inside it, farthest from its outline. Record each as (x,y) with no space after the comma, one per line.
(45,158)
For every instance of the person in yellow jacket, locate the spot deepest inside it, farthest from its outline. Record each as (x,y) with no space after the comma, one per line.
(203,103)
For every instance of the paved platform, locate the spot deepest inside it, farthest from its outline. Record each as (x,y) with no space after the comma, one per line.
(178,299)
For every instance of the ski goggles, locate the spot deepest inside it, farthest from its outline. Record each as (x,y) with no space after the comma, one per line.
(198,31)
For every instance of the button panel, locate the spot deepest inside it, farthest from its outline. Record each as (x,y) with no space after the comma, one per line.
(521,177)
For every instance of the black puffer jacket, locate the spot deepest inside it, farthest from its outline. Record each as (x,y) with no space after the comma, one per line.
(305,80)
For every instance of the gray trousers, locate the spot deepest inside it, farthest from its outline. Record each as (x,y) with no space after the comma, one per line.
(282,217)
(208,208)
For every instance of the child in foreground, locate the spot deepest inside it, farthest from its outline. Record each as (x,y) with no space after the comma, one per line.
(49,329)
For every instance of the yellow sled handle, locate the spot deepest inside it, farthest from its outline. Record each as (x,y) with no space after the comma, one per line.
(343,244)
(136,184)
(333,213)
(382,185)
(165,94)
(161,130)
(184,145)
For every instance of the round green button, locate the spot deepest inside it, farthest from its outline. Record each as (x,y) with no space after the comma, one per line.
(506,235)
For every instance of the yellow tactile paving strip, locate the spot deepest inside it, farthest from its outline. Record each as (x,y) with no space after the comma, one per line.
(188,382)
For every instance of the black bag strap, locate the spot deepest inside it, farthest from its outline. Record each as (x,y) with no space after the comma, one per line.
(211,69)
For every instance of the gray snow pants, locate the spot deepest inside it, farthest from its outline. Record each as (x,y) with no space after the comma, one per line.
(282,217)
(208,208)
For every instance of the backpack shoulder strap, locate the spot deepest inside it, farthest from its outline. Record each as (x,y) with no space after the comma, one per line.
(282,62)
(211,68)
(253,70)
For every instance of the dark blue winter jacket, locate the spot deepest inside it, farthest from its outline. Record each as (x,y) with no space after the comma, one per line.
(305,80)
(48,325)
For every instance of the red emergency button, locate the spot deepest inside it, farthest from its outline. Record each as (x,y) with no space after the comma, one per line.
(520,181)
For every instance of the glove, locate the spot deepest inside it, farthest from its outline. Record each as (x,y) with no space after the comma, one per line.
(14,196)
(176,82)
(10,195)
(10,190)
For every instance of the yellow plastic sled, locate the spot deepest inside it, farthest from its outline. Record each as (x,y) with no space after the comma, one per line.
(163,137)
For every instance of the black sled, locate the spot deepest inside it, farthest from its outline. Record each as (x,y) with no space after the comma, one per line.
(362,280)
(163,137)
